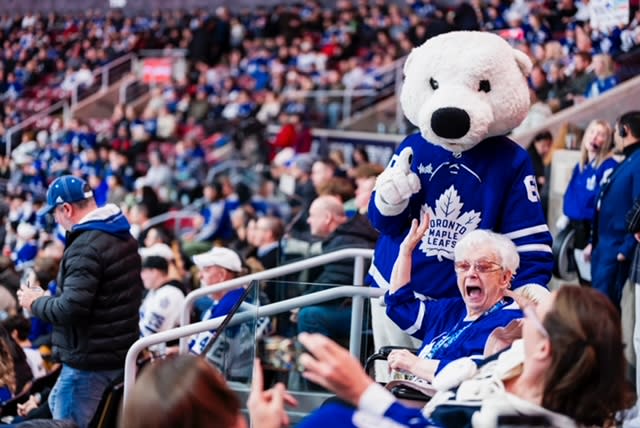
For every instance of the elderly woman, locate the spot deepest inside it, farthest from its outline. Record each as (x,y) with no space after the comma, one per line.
(452,328)
(569,371)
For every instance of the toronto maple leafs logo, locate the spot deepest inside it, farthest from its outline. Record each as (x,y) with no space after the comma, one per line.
(425,169)
(447,225)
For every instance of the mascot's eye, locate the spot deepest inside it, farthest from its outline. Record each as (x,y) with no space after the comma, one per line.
(485,86)
(434,83)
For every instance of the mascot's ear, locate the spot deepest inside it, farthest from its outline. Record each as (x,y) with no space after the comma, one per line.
(523,61)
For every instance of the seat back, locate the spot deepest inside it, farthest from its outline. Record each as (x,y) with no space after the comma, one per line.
(106,415)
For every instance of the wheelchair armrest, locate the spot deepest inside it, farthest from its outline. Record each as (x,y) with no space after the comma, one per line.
(386,350)
(404,392)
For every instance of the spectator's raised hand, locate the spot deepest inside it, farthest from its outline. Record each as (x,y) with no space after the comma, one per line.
(416,233)
(401,273)
(266,408)
(331,366)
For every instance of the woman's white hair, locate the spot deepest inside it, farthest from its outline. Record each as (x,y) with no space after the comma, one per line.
(503,246)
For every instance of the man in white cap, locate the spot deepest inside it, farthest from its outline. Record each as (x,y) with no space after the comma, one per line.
(215,266)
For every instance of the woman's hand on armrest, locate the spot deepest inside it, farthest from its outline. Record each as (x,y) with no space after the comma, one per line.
(403,360)
(331,366)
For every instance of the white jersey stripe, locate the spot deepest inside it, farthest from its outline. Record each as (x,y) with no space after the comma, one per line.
(416,325)
(378,278)
(527,231)
(534,247)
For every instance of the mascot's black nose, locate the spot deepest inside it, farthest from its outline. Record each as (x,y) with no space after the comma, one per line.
(450,122)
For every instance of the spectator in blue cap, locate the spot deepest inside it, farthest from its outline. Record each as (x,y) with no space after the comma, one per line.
(95,312)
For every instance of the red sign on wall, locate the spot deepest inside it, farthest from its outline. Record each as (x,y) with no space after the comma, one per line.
(157,70)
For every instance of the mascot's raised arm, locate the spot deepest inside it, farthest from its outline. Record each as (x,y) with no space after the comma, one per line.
(464,91)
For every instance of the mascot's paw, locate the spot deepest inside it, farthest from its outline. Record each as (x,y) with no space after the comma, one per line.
(396,184)
(454,373)
(534,292)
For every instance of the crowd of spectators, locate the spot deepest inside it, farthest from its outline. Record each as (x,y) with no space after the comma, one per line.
(264,62)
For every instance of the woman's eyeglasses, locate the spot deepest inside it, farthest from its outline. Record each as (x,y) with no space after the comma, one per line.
(480,266)
(529,311)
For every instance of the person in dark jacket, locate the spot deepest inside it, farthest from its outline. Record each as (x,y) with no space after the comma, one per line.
(95,312)
(538,151)
(327,220)
(612,245)
(633,227)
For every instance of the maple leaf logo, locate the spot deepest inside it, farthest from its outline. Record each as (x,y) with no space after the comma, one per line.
(447,225)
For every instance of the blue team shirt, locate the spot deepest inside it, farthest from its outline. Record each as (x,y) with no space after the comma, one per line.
(343,416)
(583,189)
(197,344)
(432,321)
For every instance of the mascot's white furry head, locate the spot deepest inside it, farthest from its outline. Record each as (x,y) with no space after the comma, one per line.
(465,86)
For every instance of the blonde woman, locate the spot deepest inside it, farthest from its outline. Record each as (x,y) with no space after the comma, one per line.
(595,166)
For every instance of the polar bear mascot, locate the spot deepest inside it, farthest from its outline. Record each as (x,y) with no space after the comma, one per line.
(464,91)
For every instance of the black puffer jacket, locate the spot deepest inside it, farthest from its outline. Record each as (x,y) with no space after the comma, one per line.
(95,314)
(355,233)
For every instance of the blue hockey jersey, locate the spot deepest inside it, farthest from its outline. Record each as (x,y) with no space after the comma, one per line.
(580,198)
(342,416)
(436,321)
(491,186)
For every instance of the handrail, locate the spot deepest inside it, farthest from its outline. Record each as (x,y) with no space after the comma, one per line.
(608,106)
(346,135)
(70,104)
(62,104)
(330,92)
(173,53)
(171,215)
(391,82)
(130,366)
(358,253)
(122,92)
(102,75)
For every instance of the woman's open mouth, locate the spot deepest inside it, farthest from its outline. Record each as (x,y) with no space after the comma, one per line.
(474,292)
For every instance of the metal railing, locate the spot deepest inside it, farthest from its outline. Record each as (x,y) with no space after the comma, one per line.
(175,216)
(61,106)
(164,53)
(104,77)
(132,89)
(359,254)
(339,108)
(356,292)
(608,106)
(388,82)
